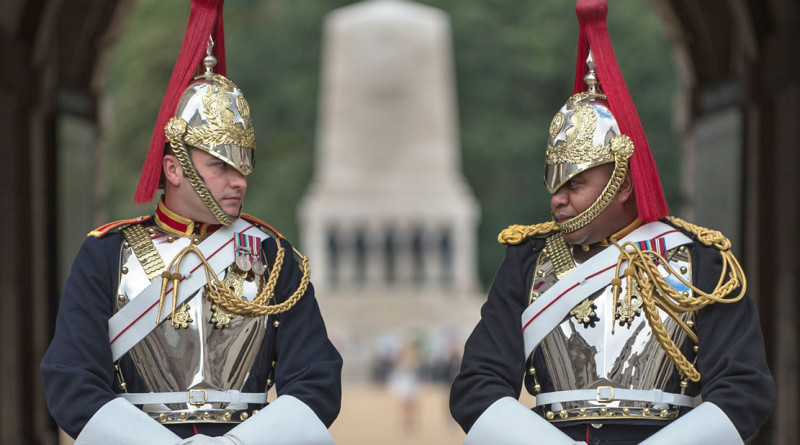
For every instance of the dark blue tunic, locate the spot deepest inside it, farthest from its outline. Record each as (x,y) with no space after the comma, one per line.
(78,371)
(730,358)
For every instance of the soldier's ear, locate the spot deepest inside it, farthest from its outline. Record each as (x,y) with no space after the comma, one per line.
(173,172)
(625,191)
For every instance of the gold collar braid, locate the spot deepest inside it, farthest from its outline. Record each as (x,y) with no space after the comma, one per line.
(225,298)
(657,294)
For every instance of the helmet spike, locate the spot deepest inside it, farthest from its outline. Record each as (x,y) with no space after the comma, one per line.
(209,61)
(590,79)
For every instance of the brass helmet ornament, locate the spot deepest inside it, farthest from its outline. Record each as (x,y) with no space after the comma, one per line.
(213,116)
(597,126)
(583,135)
(206,112)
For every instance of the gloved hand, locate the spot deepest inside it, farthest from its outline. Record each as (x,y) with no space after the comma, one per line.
(202,439)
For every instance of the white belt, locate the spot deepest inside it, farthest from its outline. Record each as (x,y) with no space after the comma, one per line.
(607,394)
(195,397)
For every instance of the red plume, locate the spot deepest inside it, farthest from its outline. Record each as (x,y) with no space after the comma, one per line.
(593,34)
(205,19)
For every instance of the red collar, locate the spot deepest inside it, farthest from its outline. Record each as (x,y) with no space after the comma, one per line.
(171,222)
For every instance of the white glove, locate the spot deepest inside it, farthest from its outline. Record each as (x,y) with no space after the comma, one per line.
(509,422)
(705,425)
(286,421)
(118,422)
(202,439)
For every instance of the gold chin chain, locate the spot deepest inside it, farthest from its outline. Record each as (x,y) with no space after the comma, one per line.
(219,294)
(656,293)
(175,131)
(605,198)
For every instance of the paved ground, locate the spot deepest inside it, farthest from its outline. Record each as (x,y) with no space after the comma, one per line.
(370,415)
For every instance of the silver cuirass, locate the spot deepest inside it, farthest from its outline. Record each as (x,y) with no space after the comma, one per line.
(602,348)
(201,348)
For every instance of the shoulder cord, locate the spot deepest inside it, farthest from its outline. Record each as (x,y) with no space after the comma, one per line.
(225,298)
(657,293)
(516,233)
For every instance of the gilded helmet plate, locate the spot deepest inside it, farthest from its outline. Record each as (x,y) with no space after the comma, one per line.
(218,121)
(581,135)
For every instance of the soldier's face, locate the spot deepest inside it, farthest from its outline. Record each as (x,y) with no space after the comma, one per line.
(576,195)
(226,184)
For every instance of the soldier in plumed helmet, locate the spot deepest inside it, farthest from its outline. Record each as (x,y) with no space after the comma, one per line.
(627,325)
(173,327)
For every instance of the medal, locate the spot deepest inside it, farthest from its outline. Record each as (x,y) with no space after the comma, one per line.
(243,263)
(258,266)
(247,250)
(241,249)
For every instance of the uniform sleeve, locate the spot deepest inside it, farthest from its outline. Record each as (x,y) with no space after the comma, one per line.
(77,369)
(494,358)
(731,357)
(308,366)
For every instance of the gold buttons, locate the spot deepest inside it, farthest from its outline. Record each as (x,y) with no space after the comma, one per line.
(549,415)
(243,416)
(124,270)
(276,323)
(162,417)
(562,414)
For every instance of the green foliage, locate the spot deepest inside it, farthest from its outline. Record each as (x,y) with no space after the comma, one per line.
(514,62)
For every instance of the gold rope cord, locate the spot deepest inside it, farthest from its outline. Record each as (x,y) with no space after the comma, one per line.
(226,299)
(657,294)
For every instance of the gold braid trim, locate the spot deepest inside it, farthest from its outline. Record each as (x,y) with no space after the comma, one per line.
(657,294)
(226,299)
(517,233)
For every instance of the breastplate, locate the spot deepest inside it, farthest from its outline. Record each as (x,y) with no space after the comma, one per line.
(591,350)
(207,349)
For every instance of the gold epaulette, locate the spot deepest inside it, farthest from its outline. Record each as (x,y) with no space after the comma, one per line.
(105,228)
(262,224)
(706,236)
(516,233)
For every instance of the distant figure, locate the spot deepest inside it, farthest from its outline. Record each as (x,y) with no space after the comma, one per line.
(404,384)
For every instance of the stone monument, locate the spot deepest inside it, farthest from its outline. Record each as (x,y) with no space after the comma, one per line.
(389,221)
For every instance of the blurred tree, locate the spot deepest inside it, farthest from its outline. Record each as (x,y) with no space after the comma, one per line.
(514,66)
